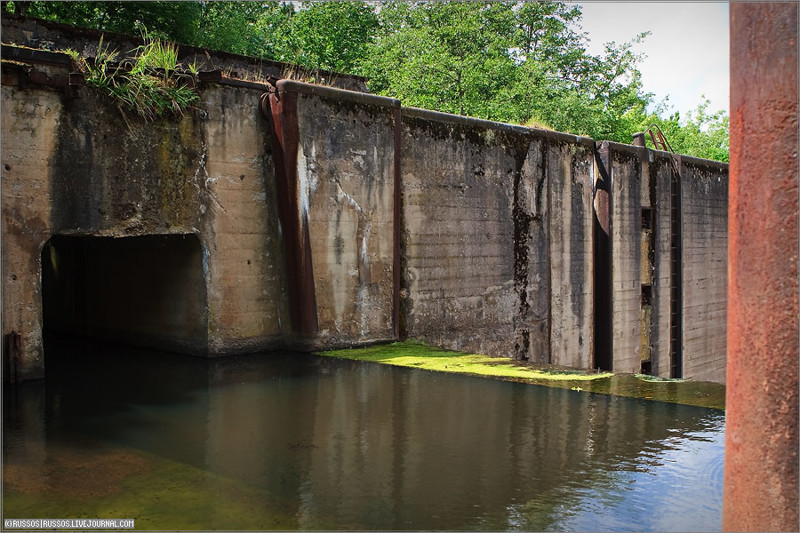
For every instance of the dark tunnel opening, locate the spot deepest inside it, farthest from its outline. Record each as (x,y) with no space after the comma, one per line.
(147,291)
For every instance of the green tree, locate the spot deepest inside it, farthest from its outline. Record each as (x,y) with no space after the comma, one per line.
(177,21)
(700,134)
(237,27)
(449,56)
(327,35)
(519,62)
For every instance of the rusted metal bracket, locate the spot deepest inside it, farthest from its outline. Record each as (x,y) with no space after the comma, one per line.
(660,142)
(659,139)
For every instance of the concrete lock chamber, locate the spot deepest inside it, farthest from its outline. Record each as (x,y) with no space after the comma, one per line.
(146,291)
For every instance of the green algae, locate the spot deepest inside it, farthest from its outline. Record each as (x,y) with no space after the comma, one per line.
(158,493)
(418,355)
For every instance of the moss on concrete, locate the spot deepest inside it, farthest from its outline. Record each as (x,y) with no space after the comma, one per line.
(418,355)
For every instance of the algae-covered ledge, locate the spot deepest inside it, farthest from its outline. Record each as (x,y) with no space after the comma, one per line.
(414,354)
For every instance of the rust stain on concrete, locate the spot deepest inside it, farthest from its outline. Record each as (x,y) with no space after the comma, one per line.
(282,112)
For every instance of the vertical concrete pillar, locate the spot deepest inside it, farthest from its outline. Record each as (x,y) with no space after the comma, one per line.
(761,453)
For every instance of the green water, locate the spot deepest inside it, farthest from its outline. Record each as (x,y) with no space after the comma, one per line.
(295,441)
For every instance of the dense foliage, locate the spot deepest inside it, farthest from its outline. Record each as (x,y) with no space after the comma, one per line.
(518,62)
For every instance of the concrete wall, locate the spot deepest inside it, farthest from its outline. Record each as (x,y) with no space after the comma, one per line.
(458,189)
(29,139)
(78,167)
(625,170)
(345,172)
(642,180)
(334,218)
(661,174)
(497,238)
(247,288)
(480,232)
(704,220)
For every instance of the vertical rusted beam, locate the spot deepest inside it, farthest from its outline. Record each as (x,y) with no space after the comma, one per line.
(761,445)
(280,107)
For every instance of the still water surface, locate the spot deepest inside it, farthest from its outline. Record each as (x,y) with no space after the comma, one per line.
(294,441)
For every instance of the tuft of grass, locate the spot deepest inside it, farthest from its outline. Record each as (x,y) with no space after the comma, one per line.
(151,83)
(315,76)
(534,122)
(417,355)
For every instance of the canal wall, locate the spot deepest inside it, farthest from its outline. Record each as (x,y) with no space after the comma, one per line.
(284,214)
(668,262)
(77,169)
(462,233)
(336,158)
(497,238)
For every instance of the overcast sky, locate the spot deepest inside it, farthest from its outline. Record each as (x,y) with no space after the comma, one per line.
(688,50)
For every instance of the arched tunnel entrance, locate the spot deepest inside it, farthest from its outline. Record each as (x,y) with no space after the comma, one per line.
(146,291)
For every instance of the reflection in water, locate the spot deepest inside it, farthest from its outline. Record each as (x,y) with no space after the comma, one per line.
(292,441)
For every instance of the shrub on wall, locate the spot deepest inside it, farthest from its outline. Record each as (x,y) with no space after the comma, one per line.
(152,83)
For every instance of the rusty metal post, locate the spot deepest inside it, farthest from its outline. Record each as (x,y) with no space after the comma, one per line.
(761,445)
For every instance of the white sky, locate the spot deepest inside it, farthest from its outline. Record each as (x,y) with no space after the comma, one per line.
(687,52)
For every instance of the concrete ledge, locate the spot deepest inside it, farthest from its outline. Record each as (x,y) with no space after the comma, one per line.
(438,116)
(699,161)
(632,149)
(292,86)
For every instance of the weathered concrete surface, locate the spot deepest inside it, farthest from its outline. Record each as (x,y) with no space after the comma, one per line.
(340,218)
(345,160)
(248,308)
(497,240)
(570,171)
(77,167)
(642,324)
(29,137)
(625,171)
(704,223)
(761,446)
(661,175)
(458,191)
